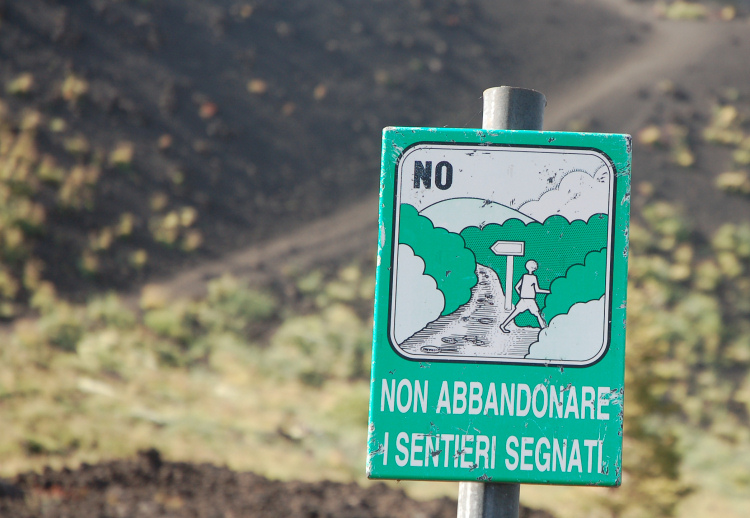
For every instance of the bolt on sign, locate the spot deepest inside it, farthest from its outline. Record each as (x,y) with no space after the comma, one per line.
(499,339)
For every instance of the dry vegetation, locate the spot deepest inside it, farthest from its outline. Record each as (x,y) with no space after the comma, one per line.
(84,382)
(278,382)
(244,378)
(79,383)
(55,219)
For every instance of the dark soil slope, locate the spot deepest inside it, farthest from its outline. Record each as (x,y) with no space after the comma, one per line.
(149,487)
(259,115)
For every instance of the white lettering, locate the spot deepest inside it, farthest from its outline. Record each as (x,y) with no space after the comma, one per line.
(588,395)
(572,405)
(416,449)
(459,396)
(555,402)
(559,454)
(387,395)
(385,449)
(575,457)
(444,400)
(491,402)
(465,450)
(431,450)
(483,450)
(447,440)
(494,449)
(590,445)
(509,444)
(456,451)
(542,466)
(539,389)
(506,398)
(403,408)
(420,396)
(523,388)
(475,397)
(602,400)
(403,436)
(525,441)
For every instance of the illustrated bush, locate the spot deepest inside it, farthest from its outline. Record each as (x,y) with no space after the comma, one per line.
(446,257)
(582,283)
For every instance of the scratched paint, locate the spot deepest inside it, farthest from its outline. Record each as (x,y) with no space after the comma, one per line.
(498,347)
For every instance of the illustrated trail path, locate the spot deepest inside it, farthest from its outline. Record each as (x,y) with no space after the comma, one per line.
(474,328)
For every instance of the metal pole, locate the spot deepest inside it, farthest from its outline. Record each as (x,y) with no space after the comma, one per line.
(505,107)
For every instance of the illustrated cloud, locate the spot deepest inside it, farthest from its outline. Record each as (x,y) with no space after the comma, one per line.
(575,336)
(418,299)
(579,195)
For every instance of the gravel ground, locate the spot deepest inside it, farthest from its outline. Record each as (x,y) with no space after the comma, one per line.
(150,487)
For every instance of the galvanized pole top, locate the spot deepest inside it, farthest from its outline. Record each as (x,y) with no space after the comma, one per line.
(508,107)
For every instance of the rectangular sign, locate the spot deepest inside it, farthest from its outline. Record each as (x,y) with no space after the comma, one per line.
(499,338)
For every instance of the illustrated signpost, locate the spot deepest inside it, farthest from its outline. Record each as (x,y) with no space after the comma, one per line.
(509,249)
(499,335)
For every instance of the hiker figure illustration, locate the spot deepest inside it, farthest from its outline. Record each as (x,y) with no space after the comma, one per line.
(527,288)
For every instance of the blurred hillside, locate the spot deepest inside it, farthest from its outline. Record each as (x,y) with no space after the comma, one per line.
(146,129)
(163,144)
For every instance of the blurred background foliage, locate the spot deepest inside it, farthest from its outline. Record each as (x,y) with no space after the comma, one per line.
(56,220)
(237,377)
(276,381)
(274,378)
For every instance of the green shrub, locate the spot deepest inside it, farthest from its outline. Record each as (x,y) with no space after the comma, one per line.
(232,307)
(334,344)
(176,321)
(62,327)
(108,311)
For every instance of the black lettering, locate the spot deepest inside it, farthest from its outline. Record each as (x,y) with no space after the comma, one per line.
(423,173)
(439,175)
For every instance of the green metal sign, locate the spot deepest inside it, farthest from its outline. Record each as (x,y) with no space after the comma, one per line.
(499,339)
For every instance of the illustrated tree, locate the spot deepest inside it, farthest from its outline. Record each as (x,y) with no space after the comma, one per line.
(446,258)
